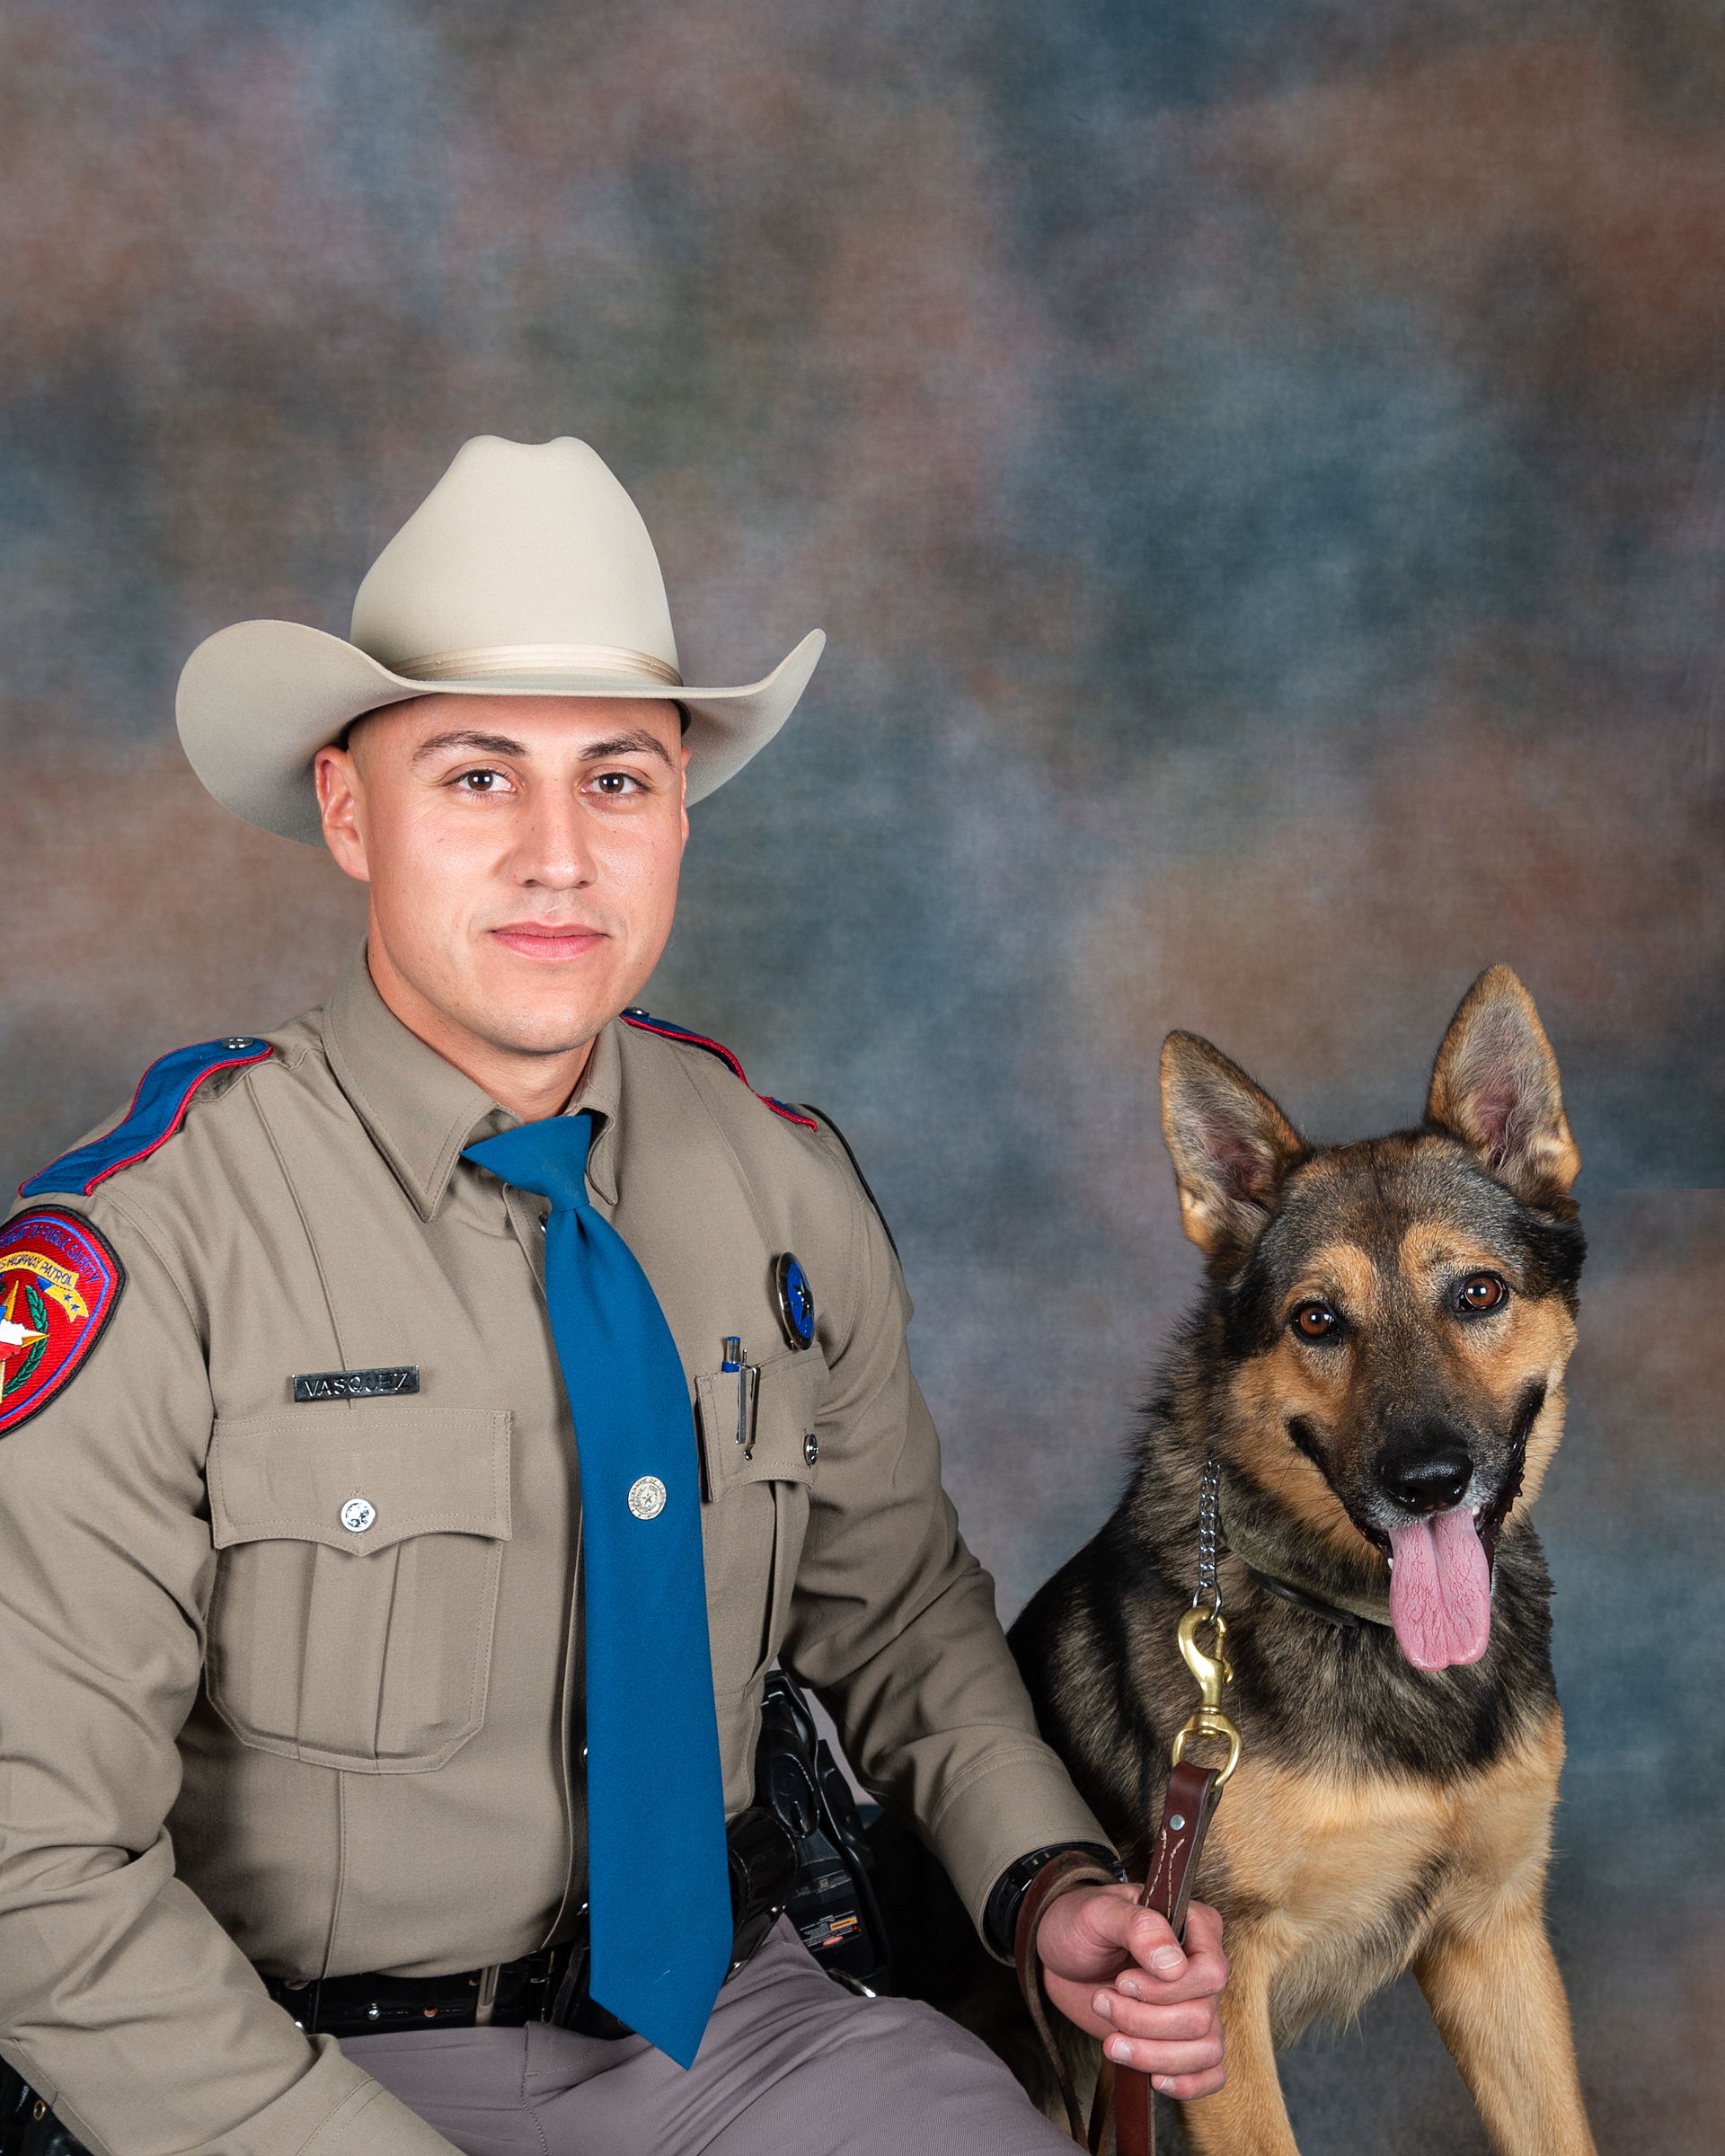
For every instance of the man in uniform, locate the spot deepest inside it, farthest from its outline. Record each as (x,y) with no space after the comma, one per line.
(375,1624)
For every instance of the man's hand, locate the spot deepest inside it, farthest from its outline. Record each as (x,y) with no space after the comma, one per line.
(1117,1972)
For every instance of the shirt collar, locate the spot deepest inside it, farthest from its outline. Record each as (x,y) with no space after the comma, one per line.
(420,1112)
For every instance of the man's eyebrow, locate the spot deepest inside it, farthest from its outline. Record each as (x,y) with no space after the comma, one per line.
(641,743)
(487,745)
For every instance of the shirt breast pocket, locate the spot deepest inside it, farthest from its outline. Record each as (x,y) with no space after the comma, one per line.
(757,1488)
(356,1589)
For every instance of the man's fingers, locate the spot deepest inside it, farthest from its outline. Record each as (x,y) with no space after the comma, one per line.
(1094,1935)
(1160,2013)
(1185,2086)
(1203,1929)
(1166,2060)
(1103,2011)
(1188,2021)
(1200,1971)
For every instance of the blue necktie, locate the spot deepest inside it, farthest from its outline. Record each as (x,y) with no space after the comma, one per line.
(657,1876)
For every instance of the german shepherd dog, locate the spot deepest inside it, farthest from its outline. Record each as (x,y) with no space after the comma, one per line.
(1376,1366)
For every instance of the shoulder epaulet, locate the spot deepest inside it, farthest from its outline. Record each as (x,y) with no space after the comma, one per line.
(158,1107)
(856,1169)
(644,1022)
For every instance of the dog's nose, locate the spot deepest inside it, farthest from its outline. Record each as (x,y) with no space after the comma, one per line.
(1432,1483)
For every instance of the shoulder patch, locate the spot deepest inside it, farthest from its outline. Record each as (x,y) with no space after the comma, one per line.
(158,1107)
(644,1023)
(59,1281)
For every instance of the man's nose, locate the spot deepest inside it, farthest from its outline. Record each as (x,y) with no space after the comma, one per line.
(553,848)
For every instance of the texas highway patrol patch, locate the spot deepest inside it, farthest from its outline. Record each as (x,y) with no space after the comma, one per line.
(59,1281)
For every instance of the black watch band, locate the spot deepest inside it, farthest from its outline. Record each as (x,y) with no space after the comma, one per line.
(1000,1912)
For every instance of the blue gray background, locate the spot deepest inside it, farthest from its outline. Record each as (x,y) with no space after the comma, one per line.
(1261,467)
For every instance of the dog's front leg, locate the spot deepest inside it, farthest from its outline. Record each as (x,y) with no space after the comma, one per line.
(1486,1966)
(1247,2117)
(1496,1995)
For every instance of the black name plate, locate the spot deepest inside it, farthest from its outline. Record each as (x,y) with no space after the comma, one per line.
(357,1384)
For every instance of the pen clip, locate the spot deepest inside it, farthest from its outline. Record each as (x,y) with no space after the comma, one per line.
(738,1365)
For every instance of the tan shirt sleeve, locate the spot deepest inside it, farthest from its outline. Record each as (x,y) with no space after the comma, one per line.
(122,2000)
(893,1620)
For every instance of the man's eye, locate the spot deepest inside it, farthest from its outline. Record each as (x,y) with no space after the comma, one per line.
(480,781)
(616,784)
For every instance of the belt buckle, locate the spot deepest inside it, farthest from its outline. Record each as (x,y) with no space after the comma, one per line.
(569,2004)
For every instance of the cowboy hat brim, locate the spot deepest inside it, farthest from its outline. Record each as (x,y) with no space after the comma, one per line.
(258,701)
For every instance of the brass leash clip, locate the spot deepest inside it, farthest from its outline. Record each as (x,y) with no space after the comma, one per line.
(1213,1673)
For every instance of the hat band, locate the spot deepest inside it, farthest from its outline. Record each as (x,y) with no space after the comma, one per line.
(499,661)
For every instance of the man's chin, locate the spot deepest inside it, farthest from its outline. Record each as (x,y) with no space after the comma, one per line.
(537,1033)
(534,1006)
(558,1020)
(497,1003)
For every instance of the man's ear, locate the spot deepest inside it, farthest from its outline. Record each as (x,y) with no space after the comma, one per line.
(336,777)
(1494,1086)
(1232,1147)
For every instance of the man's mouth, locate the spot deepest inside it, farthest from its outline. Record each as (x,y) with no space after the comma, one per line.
(550,942)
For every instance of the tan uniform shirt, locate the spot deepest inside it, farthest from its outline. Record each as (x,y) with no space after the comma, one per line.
(233,1731)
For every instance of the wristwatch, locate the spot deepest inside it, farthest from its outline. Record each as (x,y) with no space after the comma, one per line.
(1000,1913)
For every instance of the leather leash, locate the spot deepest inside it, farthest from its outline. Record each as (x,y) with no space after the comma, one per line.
(1125,2099)
(1185,1813)
(1064,1874)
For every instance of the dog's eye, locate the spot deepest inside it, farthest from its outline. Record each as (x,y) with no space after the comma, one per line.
(1480,1291)
(1316,1321)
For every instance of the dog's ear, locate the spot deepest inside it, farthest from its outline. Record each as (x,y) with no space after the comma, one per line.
(1494,1086)
(1232,1147)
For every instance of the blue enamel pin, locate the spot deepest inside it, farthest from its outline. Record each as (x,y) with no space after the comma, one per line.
(796,1302)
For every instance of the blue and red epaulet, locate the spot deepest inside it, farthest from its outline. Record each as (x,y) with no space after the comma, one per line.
(158,1107)
(644,1022)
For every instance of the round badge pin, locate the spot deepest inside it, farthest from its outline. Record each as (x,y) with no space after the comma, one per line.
(796,1301)
(646,1495)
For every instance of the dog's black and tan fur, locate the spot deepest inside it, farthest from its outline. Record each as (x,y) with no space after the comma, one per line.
(1383,1336)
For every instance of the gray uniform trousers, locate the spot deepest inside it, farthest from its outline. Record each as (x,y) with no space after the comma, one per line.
(790,2063)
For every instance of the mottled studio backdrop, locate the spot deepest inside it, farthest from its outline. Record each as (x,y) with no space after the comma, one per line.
(1262,466)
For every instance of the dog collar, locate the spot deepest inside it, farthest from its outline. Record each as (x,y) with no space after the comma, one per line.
(1344,1621)
(1347,1613)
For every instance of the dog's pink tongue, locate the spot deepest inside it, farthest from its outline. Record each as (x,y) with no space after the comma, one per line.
(1441,1590)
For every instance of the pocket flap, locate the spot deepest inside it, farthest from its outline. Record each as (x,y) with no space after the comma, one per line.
(787,1395)
(361,1477)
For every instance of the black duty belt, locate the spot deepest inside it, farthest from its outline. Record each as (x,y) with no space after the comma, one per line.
(505,1996)
(551,1985)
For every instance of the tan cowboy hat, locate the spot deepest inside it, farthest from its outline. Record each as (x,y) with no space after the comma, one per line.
(525,571)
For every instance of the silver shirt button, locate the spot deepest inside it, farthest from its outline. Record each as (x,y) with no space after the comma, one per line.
(358,1513)
(646,1498)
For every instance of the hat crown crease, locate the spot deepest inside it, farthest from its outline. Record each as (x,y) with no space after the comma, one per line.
(517,545)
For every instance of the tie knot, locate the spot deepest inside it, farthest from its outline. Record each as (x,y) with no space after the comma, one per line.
(548,1158)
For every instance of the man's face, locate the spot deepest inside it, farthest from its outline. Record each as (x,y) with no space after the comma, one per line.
(523,855)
